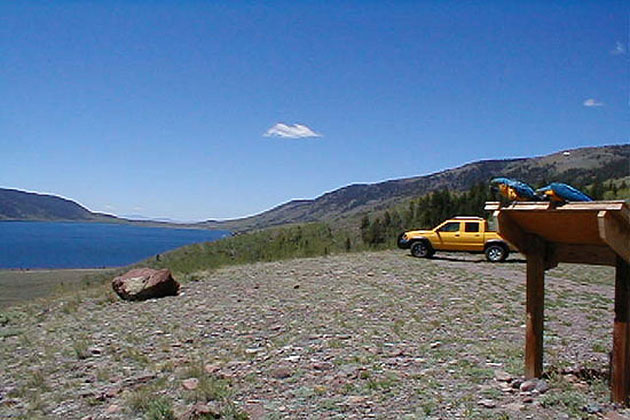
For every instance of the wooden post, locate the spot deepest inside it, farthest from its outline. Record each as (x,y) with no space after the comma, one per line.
(621,335)
(535,311)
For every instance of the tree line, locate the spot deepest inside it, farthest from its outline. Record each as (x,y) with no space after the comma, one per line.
(427,211)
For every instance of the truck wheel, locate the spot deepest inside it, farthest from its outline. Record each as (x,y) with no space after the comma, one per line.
(421,249)
(496,253)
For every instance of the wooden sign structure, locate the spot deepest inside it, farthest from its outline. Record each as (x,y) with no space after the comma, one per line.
(596,232)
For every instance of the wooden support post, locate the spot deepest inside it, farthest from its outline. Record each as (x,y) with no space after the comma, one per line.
(535,311)
(621,335)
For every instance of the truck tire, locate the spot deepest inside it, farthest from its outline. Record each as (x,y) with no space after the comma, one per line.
(422,249)
(496,253)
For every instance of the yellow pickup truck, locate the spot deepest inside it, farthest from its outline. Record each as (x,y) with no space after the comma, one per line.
(465,233)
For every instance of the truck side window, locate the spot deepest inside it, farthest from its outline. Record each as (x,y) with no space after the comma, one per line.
(471,227)
(450,227)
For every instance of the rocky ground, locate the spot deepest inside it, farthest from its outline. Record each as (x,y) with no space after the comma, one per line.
(365,335)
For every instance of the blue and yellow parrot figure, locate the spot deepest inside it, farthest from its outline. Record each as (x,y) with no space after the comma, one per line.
(561,193)
(514,190)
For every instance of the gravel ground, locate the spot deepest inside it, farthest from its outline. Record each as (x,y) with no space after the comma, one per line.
(363,335)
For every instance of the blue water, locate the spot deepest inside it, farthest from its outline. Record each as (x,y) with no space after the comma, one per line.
(89,245)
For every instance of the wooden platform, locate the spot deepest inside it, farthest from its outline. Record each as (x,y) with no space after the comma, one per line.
(596,232)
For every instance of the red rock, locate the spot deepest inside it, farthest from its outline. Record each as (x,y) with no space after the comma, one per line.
(281,373)
(201,410)
(611,415)
(145,283)
(190,384)
(113,409)
(212,368)
(112,392)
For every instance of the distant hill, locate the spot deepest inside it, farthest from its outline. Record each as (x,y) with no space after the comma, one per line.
(578,167)
(21,205)
(28,206)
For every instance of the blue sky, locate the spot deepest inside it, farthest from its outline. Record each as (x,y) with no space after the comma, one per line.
(205,109)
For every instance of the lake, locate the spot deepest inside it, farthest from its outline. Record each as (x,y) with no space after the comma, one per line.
(89,245)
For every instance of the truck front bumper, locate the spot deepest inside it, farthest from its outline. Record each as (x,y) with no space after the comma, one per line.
(403,242)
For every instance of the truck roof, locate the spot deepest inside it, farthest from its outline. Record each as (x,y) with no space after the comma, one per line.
(469,218)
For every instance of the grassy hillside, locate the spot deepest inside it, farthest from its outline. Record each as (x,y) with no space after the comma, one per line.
(306,240)
(377,230)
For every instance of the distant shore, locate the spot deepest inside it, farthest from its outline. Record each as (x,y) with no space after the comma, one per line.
(21,285)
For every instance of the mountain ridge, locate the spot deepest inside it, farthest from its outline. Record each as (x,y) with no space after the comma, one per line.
(576,166)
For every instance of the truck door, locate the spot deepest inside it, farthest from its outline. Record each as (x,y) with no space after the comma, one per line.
(471,238)
(448,235)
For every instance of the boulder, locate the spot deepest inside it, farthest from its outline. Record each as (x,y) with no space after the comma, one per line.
(145,283)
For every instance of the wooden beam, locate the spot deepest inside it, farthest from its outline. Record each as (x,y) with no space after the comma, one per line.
(535,310)
(595,205)
(582,254)
(615,232)
(492,205)
(511,232)
(620,381)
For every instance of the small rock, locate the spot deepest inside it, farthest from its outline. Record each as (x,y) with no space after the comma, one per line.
(297,286)
(356,399)
(514,406)
(211,368)
(527,386)
(592,408)
(528,400)
(613,415)
(190,383)
(487,403)
(502,376)
(95,351)
(516,383)
(571,378)
(581,386)
(281,373)
(111,392)
(322,366)
(201,410)
(542,387)
(87,393)
(113,409)
(435,344)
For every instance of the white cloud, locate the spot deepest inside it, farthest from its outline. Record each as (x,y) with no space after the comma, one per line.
(295,131)
(591,102)
(619,49)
